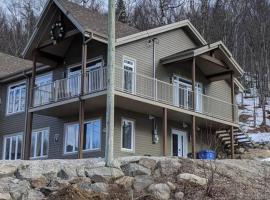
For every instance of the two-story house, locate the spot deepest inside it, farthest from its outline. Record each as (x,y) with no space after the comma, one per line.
(173,90)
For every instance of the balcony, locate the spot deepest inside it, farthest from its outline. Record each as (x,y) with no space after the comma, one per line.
(139,85)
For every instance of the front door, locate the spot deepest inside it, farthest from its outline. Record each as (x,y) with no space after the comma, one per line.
(179,143)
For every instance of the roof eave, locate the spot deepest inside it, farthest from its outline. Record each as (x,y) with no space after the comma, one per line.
(162,29)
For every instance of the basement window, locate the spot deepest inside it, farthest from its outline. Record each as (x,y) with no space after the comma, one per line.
(40,143)
(12,147)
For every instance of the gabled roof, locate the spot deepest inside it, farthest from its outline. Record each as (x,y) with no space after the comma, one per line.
(185,24)
(85,20)
(10,65)
(189,53)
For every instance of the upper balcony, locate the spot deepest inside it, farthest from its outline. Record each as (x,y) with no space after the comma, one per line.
(134,85)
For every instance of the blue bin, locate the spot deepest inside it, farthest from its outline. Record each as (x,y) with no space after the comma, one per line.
(207,155)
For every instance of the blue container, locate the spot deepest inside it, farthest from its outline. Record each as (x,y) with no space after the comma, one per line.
(207,155)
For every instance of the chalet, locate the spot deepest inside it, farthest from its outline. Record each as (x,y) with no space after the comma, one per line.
(173,91)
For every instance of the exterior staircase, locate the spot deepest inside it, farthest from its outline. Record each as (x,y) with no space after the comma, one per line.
(240,138)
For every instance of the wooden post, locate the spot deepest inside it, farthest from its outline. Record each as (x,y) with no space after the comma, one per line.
(109,158)
(81,103)
(29,115)
(194,108)
(232,142)
(165,131)
(233,117)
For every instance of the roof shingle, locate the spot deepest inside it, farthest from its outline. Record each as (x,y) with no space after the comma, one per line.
(10,65)
(95,21)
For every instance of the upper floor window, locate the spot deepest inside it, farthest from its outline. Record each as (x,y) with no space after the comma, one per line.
(129,66)
(16,98)
(43,90)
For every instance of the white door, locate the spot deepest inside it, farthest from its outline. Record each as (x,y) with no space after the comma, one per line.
(179,143)
(129,81)
(43,94)
(182,94)
(95,77)
(74,81)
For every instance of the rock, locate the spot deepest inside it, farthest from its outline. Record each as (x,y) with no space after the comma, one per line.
(34,195)
(191,178)
(99,187)
(179,196)
(105,172)
(5,196)
(84,185)
(7,170)
(18,189)
(169,166)
(148,163)
(142,182)
(79,179)
(39,183)
(59,183)
(125,182)
(160,191)
(48,190)
(133,169)
(98,178)
(171,186)
(241,150)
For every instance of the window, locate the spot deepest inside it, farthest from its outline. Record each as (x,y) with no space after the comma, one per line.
(92,136)
(40,143)
(129,74)
(12,147)
(16,98)
(43,94)
(128,134)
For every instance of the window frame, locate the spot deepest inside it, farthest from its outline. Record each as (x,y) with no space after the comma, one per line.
(8,97)
(35,131)
(133,121)
(133,91)
(77,123)
(16,148)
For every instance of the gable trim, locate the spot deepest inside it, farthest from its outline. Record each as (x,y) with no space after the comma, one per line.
(162,29)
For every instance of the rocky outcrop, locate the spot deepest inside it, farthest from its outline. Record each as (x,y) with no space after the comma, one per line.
(133,177)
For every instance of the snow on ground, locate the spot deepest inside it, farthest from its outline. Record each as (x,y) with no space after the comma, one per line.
(248,125)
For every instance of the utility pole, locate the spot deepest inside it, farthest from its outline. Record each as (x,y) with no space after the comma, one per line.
(110,85)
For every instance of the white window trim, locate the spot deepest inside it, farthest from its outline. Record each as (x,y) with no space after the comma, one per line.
(135,71)
(86,150)
(132,150)
(37,130)
(7,98)
(4,146)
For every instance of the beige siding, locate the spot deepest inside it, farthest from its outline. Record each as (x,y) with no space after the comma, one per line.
(219,89)
(169,43)
(143,135)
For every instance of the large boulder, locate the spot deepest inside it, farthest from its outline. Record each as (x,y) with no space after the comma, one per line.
(134,169)
(142,182)
(191,178)
(160,191)
(169,166)
(39,183)
(99,187)
(106,173)
(125,182)
(19,189)
(34,195)
(7,170)
(5,196)
(148,163)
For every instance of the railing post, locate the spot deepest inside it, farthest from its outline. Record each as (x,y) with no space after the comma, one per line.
(194,108)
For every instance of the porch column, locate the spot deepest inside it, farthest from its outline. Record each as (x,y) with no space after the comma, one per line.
(165,131)
(29,115)
(194,108)
(233,117)
(81,106)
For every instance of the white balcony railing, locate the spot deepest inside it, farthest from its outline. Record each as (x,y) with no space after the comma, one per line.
(138,85)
